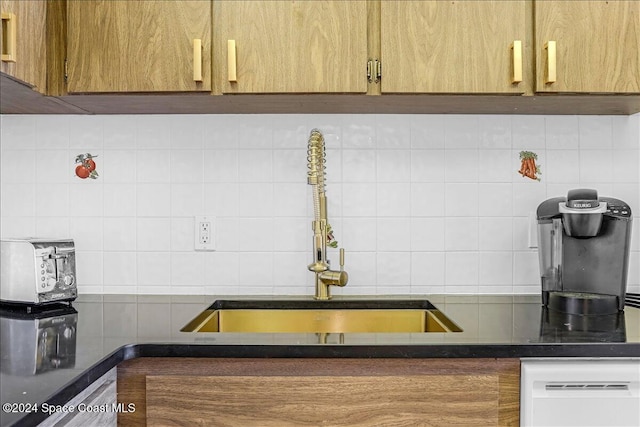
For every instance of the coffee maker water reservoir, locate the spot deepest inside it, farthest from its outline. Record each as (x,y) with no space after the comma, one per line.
(583,248)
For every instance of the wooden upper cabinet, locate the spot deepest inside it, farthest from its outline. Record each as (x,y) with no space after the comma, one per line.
(138,46)
(307,46)
(597,46)
(453,46)
(24,52)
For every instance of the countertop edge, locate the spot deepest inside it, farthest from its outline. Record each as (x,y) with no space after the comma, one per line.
(133,351)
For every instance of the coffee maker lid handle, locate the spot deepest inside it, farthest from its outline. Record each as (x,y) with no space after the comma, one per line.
(582,198)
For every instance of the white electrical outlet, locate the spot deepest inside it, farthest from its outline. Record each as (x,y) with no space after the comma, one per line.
(204,233)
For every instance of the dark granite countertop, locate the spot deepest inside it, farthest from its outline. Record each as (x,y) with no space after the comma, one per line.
(101,331)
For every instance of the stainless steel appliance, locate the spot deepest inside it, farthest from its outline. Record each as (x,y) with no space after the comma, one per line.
(37,271)
(39,341)
(583,247)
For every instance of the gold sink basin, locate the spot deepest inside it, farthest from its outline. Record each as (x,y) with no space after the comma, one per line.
(381,316)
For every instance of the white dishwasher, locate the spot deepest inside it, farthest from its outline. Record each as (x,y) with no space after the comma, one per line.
(580,392)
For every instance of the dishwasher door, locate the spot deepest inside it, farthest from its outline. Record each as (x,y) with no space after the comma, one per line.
(580,392)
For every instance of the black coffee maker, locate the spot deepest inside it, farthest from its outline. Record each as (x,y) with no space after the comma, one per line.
(583,247)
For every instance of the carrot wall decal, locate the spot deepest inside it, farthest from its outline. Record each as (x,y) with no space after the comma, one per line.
(528,167)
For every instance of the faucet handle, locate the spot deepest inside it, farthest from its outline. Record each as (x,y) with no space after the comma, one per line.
(327,278)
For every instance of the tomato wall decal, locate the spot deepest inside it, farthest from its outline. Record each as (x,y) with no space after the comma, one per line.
(86,166)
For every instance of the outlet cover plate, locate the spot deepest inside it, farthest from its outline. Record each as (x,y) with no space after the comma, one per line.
(204,233)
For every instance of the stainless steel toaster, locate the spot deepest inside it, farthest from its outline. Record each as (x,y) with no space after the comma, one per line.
(37,271)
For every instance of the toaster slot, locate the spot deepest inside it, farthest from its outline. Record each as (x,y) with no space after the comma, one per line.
(65,267)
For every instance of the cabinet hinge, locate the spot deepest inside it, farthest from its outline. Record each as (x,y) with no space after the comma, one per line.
(374,71)
(66,70)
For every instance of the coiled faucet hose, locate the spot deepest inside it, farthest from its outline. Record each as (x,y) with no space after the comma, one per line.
(316,165)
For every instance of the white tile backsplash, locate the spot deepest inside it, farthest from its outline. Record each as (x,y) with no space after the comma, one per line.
(18,166)
(19,132)
(153,166)
(153,234)
(563,166)
(494,199)
(153,200)
(461,165)
(18,200)
(496,269)
(595,132)
(461,199)
(119,234)
(461,132)
(52,132)
(153,132)
(528,132)
(86,133)
(495,233)
(124,275)
(561,132)
(421,203)
(186,199)
(596,166)
(427,165)
(427,234)
(427,270)
(461,270)
(494,132)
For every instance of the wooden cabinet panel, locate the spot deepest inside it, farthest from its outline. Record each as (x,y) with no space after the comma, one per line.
(137,46)
(597,45)
(452,46)
(29,63)
(303,46)
(336,401)
(290,47)
(227,391)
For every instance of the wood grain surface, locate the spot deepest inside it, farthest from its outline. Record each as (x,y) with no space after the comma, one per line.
(428,400)
(137,46)
(154,384)
(56,23)
(292,46)
(31,42)
(452,46)
(597,45)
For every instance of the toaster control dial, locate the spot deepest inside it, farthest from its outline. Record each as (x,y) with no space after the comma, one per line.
(68,280)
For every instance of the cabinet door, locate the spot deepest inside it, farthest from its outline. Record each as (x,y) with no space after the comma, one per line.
(597,46)
(332,400)
(291,46)
(451,46)
(137,46)
(23,41)
(332,391)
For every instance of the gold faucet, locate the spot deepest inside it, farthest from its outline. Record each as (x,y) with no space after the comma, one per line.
(322,233)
